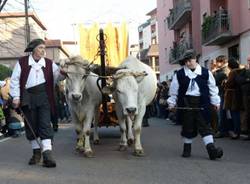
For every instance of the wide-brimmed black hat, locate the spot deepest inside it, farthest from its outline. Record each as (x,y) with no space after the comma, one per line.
(33,44)
(190,54)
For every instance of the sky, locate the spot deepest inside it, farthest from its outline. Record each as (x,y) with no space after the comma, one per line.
(61,16)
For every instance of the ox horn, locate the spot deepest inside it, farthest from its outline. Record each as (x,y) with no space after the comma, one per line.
(118,75)
(138,74)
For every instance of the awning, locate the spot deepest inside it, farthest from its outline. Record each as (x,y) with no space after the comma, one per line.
(153,50)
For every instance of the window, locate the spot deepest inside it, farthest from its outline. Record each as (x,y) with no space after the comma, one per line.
(234,52)
(166,54)
(165,25)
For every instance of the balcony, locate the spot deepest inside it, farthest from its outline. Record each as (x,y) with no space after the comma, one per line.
(179,15)
(216,29)
(176,54)
(153,21)
(157,69)
(153,34)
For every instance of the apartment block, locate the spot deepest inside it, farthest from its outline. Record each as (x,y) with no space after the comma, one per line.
(148,42)
(225,29)
(178,32)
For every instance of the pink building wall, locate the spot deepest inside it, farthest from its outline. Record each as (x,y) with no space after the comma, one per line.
(244,15)
(239,14)
(234,13)
(206,50)
(196,19)
(166,37)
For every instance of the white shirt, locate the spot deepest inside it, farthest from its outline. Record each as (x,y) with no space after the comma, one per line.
(2,83)
(193,88)
(36,76)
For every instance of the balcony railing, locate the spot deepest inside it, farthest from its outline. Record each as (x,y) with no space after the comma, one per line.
(179,15)
(216,29)
(179,50)
(156,68)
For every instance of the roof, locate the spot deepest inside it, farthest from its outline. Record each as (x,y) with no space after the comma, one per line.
(145,24)
(153,50)
(69,42)
(21,14)
(152,12)
(56,44)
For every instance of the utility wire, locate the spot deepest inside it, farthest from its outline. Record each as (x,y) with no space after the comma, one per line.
(19,2)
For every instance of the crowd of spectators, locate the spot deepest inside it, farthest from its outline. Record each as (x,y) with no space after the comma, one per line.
(11,120)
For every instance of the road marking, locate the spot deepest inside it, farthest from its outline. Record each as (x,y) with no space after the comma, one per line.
(5,139)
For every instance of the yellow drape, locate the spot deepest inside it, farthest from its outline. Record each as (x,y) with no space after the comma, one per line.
(123,41)
(116,43)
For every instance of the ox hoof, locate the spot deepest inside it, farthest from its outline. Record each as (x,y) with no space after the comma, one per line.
(122,148)
(80,149)
(97,142)
(139,153)
(89,154)
(130,142)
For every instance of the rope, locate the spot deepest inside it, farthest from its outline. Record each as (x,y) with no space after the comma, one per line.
(93,75)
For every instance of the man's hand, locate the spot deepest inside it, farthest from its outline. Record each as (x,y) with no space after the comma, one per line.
(62,72)
(16,103)
(171,108)
(216,107)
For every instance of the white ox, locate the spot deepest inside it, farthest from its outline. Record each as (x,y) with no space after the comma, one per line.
(84,99)
(133,88)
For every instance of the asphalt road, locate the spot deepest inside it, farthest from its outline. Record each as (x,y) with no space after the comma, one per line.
(161,165)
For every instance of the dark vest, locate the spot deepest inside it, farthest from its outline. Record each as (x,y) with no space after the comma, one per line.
(202,82)
(48,75)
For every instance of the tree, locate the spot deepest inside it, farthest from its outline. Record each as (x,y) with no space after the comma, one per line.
(4,72)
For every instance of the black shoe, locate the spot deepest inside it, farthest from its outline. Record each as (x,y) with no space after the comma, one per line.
(236,136)
(186,150)
(36,157)
(247,138)
(55,128)
(214,152)
(145,123)
(48,160)
(219,135)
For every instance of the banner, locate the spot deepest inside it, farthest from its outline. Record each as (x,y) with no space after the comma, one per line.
(116,40)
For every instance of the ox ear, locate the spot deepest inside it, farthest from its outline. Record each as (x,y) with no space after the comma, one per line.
(108,90)
(140,76)
(93,67)
(62,62)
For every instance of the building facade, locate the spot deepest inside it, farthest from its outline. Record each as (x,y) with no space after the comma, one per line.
(225,29)
(134,50)
(13,38)
(148,42)
(178,32)
(209,27)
